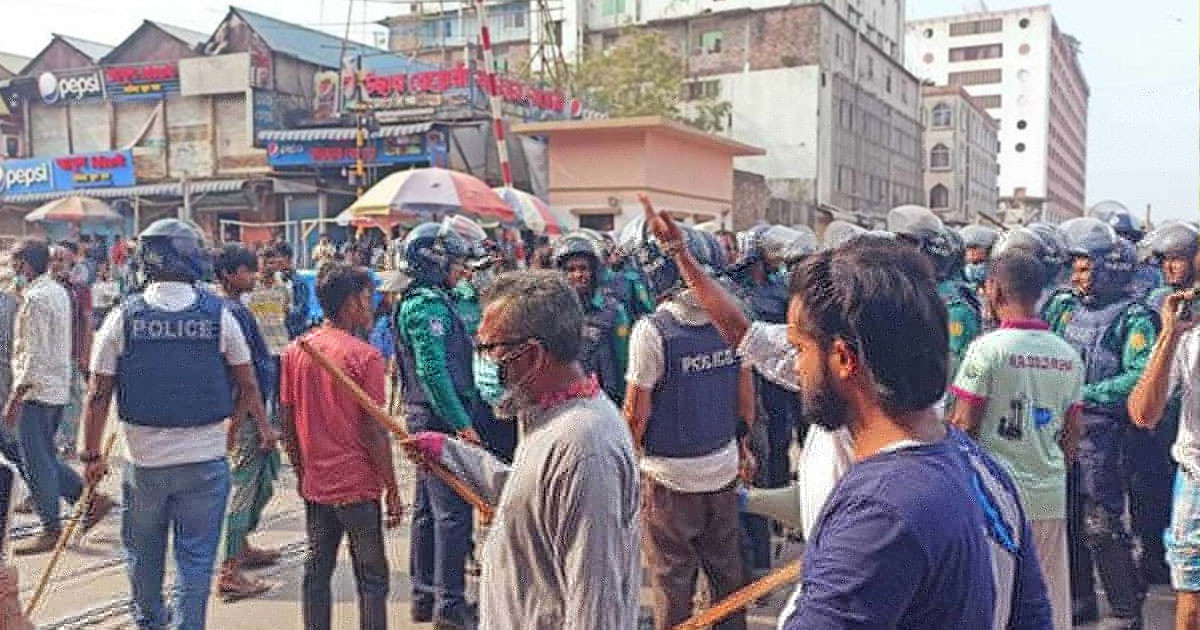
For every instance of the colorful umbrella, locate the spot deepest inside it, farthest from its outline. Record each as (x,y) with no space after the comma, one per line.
(75,209)
(421,193)
(533,212)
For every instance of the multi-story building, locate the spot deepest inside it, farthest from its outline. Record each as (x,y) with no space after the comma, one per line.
(1026,72)
(960,154)
(10,113)
(846,144)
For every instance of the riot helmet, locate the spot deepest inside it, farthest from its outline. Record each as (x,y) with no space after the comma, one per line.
(1112,256)
(172,249)
(662,275)
(430,250)
(1117,216)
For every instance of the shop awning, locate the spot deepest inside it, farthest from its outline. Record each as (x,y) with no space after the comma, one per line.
(166,189)
(340,133)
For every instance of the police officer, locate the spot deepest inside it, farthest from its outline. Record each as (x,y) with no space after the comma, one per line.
(1113,332)
(173,354)
(979,240)
(622,279)
(1150,468)
(435,355)
(605,324)
(686,393)
(922,228)
(1146,277)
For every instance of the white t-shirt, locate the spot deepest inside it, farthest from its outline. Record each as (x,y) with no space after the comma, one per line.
(154,447)
(1185,374)
(706,473)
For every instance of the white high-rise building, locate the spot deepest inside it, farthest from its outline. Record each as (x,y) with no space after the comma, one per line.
(1026,72)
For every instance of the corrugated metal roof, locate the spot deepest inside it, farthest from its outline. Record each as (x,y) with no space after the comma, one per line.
(13,63)
(167,189)
(301,42)
(187,36)
(339,133)
(94,50)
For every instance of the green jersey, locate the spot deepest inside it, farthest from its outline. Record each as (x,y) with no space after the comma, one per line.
(1028,379)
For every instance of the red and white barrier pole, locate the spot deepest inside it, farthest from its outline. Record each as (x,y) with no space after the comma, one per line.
(492,89)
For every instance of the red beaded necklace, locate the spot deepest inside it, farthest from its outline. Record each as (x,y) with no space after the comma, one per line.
(583,388)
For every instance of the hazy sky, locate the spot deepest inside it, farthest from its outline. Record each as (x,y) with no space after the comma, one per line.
(1140,60)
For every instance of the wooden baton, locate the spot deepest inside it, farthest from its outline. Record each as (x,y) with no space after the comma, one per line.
(744,596)
(81,510)
(437,469)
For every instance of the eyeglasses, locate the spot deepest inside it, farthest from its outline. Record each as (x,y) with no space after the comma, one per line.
(488,347)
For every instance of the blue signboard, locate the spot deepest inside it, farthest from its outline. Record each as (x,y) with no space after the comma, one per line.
(410,149)
(83,171)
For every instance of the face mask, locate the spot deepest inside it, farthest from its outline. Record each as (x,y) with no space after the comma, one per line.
(494,387)
(975,273)
(20,282)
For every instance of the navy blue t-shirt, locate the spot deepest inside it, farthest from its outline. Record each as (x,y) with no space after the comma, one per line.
(907,539)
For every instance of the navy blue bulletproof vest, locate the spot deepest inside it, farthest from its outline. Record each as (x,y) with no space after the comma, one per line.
(172,373)
(460,351)
(694,406)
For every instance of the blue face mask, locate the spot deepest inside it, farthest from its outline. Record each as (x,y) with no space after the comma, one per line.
(975,273)
(487,379)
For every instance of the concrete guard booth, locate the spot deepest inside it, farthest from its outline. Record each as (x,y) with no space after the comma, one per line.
(598,167)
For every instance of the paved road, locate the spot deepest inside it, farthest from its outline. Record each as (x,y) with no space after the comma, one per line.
(90,589)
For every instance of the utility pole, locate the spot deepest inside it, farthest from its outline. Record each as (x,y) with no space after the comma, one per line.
(186,209)
(361,128)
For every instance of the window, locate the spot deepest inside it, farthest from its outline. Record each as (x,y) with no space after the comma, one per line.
(609,8)
(698,90)
(1024,23)
(888,82)
(975,53)
(939,157)
(943,115)
(518,19)
(975,77)
(447,29)
(601,222)
(939,197)
(988,101)
(1020,147)
(870,67)
(710,42)
(837,45)
(846,114)
(928,33)
(976,27)
(845,181)
(1021,124)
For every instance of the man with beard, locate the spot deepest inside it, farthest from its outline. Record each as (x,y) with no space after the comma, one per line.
(922,501)
(687,392)
(605,324)
(1018,393)
(563,552)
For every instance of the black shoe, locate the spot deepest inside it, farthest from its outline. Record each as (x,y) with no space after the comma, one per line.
(1083,613)
(421,613)
(460,619)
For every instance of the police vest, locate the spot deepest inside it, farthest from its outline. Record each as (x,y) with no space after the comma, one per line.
(459,351)
(172,373)
(1086,331)
(596,353)
(694,406)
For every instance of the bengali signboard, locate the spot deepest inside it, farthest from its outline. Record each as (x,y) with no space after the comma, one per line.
(142,81)
(70,172)
(439,88)
(335,153)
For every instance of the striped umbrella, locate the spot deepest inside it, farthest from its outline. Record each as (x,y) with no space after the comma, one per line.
(75,209)
(421,193)
(533,213)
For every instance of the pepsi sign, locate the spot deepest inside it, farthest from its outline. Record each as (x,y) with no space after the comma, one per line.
(79,87)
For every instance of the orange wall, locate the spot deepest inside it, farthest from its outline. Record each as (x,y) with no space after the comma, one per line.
(687,168)
(597,160)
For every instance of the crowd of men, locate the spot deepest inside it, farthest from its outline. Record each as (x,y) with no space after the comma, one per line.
(979,411)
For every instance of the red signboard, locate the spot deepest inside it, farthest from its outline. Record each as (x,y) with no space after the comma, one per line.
(95,162)
(128,75)
(378,87)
